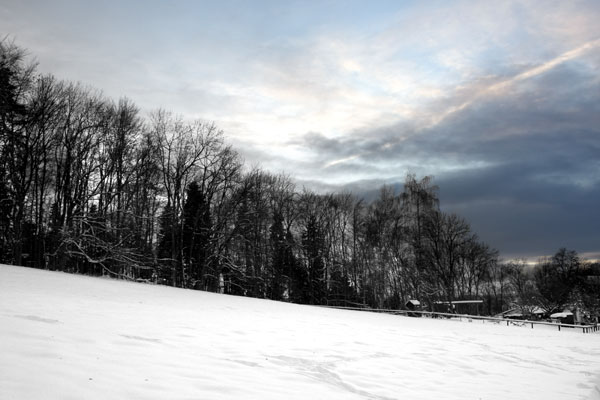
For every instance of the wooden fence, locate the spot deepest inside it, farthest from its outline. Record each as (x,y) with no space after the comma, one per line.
(460,317)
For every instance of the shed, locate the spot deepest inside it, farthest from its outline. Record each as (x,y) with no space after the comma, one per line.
(413,305)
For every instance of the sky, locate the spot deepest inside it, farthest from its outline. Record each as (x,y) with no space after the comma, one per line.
(498,101)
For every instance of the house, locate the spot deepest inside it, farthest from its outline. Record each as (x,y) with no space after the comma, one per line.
(565,317)
(570,315)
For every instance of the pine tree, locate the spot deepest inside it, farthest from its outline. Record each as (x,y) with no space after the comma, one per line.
(314,244)
(165,245)
(278,257)
(196,233)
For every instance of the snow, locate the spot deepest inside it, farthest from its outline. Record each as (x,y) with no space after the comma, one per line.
(75,337)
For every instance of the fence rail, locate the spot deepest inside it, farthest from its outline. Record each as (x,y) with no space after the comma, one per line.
(431,314)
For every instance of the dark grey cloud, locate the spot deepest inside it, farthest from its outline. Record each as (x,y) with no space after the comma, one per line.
(522,215)
(523,168)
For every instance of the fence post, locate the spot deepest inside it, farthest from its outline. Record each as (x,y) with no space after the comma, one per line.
(532,325)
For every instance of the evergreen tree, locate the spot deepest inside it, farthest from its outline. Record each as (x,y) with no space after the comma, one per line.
(314,246)
(196,233)
(167,231)
(15,146)
(278,257)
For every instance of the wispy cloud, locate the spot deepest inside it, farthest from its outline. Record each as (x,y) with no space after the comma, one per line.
(501,88)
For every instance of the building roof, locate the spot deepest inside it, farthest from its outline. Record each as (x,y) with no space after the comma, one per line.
(460,302)
(563,314)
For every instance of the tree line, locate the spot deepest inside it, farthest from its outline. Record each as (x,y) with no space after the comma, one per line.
(90,185)
(554,283)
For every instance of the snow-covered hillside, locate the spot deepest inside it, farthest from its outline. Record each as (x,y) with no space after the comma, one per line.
(76,337)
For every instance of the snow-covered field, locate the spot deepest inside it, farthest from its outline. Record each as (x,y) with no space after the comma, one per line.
(76,337)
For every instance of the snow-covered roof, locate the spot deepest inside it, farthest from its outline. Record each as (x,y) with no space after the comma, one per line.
(460,302)
(513,312)
(563,314)
(414,302)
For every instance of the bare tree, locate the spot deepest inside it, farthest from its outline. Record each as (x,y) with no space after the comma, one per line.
(188,151)
(445,235)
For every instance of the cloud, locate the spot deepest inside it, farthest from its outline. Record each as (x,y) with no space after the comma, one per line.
(520,160)
(537,185)
(522,215)
(499,100)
